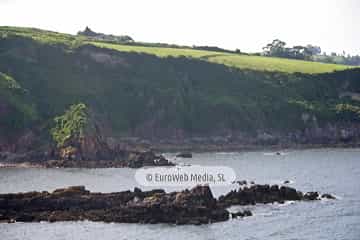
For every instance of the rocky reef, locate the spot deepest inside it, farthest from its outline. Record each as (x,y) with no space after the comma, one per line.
(251,195)
(194,206)
(260,194)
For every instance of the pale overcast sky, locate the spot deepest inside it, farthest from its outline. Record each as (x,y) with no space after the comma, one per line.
(244,24)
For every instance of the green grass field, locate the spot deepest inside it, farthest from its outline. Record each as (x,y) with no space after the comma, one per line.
(233,60)
(47,37)
(229,59)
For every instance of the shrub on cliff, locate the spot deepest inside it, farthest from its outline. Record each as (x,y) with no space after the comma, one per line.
(348,111)
(70,125)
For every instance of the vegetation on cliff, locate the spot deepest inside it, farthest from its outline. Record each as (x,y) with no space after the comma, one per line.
(15,109)
(162,92)
(70,125)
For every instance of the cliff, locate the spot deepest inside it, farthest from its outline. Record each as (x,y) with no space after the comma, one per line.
(143,99)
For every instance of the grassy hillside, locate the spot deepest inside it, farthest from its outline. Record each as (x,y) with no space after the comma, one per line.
(43,36)
(233,60)
(139,94)
(229,59)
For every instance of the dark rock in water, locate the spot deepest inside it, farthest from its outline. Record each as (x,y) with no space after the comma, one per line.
(243,182)
(147,158)
(237,214)
(245,213)
(310,196)
(328,196)
(195,206)
(288,193)
(184,155)
(286,182)
(264,194)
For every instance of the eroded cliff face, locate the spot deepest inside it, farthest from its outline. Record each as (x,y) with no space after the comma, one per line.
(104,146)
(331,135)
(14,139)
(90,149)
(143,101)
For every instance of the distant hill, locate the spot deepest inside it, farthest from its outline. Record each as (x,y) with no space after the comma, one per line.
(156,92)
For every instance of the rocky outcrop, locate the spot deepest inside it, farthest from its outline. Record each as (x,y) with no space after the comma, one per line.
(265,194)
(310,196)
(195,206)
(79,140)
(328,196)
(131,159)
(47,159)
(245,213)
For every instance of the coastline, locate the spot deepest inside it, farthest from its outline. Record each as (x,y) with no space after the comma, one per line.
(247,148)
(19,165)
(161,149)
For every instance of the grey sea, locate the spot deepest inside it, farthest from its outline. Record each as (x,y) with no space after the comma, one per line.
(335,171)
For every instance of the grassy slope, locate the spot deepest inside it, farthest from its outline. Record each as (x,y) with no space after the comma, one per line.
(233,60)
(40,35)
(229,59)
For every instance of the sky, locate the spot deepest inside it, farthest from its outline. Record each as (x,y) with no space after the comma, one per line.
(244,24)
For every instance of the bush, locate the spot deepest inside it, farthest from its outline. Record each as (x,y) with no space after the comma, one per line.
(70,125)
